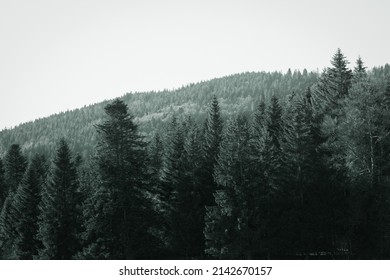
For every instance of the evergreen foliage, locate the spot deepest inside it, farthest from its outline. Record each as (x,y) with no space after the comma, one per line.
(212,140)
(3,188)
(120,218)
(250,166)
(27,199)
(59,219)
(15,166)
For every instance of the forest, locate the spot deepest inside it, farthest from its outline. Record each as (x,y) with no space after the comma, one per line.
(249,166)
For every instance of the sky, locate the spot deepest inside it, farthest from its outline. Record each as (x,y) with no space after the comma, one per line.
(64,54)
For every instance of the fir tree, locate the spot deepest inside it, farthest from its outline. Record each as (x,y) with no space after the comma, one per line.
(334,85)
(227,231)
(15,166)
(212,140)
(121,212)
(26,203)
(359,71)
(155,163)
(3,188)
(183,204)
(189,205)
(59,219)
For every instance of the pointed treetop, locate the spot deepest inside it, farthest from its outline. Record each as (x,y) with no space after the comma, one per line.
(360,69)
(339,61)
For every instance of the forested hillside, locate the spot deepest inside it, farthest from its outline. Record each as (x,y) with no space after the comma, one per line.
(250,166)
(236,93)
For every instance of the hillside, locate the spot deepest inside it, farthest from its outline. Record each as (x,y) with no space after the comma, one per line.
(236,93)
(248,166)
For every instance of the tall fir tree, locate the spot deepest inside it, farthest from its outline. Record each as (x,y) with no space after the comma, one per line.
(15,165)
(228,223)
(119,219)
(26,202)
(155,162)
(359,70)
(212,140)
(333,86)
(184,206)
(60,209)
(365,137)
(2,184)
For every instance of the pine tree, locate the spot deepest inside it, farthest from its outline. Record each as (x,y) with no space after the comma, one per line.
(59,219)
(227,230)
(364,135)
(121,212)
(172,172)
(155,156)
(334,85)
(15,166)
(332,92)
(304,169)
(269,176)
(359,71)
(3,188)
(340,75)
(183,209)
(212,140)
(26,201)
(188,213)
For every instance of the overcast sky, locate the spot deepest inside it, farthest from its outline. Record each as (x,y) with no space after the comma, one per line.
(59,55)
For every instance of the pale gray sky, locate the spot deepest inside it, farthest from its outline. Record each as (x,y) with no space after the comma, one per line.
(63,54)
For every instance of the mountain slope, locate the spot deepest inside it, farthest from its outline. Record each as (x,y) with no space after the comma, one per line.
(236,93)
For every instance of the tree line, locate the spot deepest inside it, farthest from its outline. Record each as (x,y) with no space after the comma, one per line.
(301,177)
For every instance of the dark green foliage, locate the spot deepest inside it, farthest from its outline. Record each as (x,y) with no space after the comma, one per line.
(7,227)
(155,163)
(333,86)
(212,140)
(183,205)
(59,219)
(118,223)
(365,136)
(26,201)
(359,72)
(3,188)
(228,233)
(15,165)
(239,92)
(303,175)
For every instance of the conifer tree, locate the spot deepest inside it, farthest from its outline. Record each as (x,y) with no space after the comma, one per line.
(304,177)
(2,184)
(183,204)
(119,212)
(155,163)
(359,71)
(227,231)
(340,75)
(15,166)
(334,85)
(364,135)
(212,140)
(189,212)
(59,218)
(333,90)
(26,201)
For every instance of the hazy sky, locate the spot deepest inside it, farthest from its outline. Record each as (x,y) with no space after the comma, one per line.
(58,55)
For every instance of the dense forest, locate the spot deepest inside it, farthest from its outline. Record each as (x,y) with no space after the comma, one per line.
(249,166)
